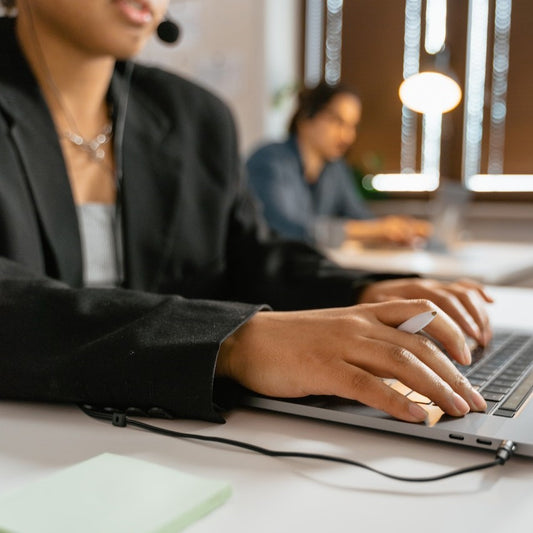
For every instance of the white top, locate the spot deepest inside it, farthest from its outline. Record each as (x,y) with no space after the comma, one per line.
(101,245)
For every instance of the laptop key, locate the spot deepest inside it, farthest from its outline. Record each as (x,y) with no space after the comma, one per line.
(490,406)
(504,382)
(492,396)
(494,388)
(504,412)
(477,381)
(516,398)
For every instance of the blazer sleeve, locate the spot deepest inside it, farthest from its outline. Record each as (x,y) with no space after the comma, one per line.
(111,347)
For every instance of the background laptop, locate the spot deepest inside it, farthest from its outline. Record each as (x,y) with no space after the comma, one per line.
(503,372)
(447,216)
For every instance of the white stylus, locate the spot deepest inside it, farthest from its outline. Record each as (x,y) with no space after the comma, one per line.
(418,322)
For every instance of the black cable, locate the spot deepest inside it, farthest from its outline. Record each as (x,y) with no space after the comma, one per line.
(503,453)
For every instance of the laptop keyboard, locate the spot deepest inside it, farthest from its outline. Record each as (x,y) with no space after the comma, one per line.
(503,372)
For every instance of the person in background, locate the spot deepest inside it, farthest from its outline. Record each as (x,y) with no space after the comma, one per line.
(304,181)
(135,271)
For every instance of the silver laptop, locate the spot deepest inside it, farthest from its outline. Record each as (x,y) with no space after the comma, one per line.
(503,373)
(447,216)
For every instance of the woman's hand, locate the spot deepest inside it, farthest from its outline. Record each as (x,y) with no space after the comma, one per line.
(346,351)
(462,300)
(393,229)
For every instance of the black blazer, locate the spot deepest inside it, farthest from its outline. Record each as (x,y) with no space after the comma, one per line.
(189,228)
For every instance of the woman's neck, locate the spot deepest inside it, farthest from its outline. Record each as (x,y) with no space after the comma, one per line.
(74,82)
(312,161)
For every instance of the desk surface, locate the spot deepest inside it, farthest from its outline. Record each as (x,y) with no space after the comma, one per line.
(295,495)
(496,263)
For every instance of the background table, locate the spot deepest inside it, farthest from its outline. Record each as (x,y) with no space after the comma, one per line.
(491,262)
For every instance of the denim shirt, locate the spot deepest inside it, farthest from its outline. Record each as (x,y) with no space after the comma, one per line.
(292,205)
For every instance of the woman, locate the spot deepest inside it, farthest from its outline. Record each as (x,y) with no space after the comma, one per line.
(303,182)
(119,190)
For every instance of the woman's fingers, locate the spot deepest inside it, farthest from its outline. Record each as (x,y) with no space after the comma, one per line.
(405,230)
(465,306)
(346,351)
(433,375)
(454,305)
(464,301)
(415,360)
(418,363)
(472,301)
(410,370)
(362,386)
(438,380)
(442,327)
(477,287)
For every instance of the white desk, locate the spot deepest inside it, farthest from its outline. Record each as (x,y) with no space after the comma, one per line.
(499,263)
(288,495)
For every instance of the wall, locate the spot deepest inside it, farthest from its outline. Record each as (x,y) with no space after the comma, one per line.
(245,51)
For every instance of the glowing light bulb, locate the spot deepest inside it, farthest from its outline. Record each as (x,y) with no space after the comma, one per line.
(430,93)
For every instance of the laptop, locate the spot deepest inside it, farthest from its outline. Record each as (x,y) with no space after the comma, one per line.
(503,373)
(447,216)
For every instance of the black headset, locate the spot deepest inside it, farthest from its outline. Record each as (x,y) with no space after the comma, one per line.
(168,30)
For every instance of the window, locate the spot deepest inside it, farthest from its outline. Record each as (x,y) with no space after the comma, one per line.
(487,140)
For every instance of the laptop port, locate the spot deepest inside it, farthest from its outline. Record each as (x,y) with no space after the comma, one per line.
(456,437)
(485,442)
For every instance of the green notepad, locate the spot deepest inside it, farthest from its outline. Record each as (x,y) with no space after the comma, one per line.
(111,494)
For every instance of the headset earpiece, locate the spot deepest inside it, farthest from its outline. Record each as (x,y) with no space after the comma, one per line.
(168,30)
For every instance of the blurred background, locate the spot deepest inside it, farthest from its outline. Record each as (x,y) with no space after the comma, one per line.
(257,54)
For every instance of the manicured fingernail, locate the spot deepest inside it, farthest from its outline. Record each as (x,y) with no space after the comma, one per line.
(479,402)
(476,331)
(418,413)
(460,405)
(467,355)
